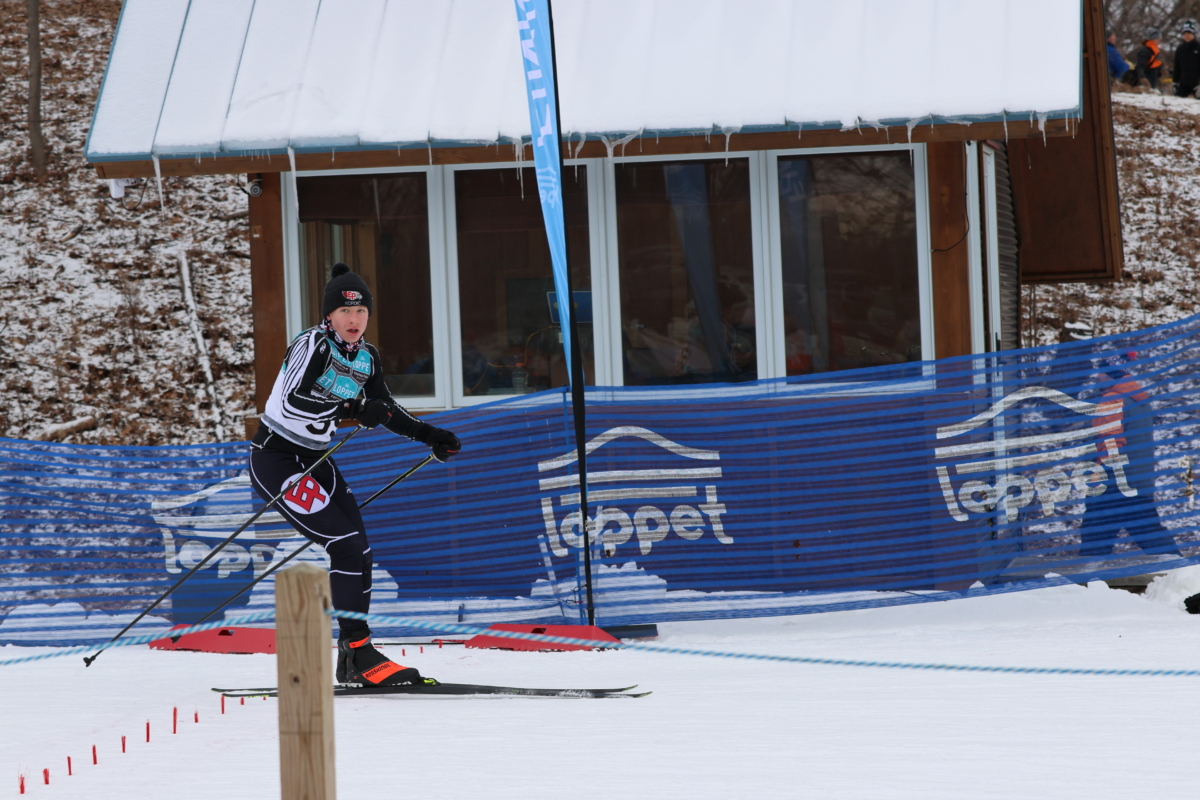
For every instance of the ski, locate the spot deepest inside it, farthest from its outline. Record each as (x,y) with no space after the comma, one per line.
(356,690)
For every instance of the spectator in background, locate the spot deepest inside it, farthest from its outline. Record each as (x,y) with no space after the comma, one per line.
(1186,71)
(1117,65)
(1125,441)
(1148,68)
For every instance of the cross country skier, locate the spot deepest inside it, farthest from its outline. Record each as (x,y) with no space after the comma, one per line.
(330,373)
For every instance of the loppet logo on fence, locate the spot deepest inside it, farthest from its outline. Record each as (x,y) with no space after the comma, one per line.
(1001,457)
(691,519)
(192,524)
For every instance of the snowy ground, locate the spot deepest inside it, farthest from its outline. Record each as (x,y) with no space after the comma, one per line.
(714,728)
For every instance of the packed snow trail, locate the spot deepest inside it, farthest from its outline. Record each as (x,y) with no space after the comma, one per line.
(714,728)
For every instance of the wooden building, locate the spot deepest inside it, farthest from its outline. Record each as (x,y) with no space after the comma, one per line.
(703,252)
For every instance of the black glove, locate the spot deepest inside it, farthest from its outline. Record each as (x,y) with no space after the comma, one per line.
(372,413)
(443,443)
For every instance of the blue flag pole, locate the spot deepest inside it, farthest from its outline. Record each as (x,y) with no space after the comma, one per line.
(535,22)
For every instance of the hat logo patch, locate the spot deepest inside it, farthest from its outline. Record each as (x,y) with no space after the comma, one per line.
(352,295)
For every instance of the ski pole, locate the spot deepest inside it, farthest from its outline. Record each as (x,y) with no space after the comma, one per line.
(87,660)
(274,567)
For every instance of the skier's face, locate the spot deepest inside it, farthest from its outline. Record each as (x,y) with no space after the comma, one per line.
(350,322)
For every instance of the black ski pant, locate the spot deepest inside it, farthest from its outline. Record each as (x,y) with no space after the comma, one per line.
(322,508)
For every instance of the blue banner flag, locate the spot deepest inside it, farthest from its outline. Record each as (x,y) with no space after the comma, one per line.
(537,52)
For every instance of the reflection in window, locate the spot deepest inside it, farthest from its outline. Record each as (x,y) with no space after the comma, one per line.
(510,344)
(686,272)
(379,226)
(849,246)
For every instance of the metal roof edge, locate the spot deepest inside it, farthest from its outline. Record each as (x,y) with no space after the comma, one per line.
(87,144)
(792,127)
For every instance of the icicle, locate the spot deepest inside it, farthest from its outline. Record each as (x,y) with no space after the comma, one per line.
(1004,116)
(626,140)
(1041,117)
(429,146)
(912,123)
(295,185)
(162,201)
(611,146)
(728,133)
(799,130)
(582,139)
(520,148)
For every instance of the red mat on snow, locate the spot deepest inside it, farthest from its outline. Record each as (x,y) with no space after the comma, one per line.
(222,640)
(590,632)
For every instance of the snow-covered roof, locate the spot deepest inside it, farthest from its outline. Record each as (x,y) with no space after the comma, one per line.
(238,76)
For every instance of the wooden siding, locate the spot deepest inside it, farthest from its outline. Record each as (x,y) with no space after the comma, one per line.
(948,230)
(266,284)
(1065,190)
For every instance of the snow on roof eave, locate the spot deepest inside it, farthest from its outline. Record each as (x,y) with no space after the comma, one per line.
(1038,118)
(87,144)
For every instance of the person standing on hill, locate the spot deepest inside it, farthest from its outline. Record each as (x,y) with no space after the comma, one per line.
(330,373)
(1117,65)
(1186,72)
(1148,68)
(1125,441)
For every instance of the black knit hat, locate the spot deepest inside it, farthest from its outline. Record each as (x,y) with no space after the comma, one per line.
(345,288)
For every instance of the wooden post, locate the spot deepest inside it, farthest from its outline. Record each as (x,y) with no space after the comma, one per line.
(302,641)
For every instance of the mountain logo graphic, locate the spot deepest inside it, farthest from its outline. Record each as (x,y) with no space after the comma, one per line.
(1050,475)
(685,498)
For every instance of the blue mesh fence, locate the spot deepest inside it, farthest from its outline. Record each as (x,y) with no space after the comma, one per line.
(898,484)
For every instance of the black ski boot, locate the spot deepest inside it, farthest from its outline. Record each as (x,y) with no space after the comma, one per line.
(359,662)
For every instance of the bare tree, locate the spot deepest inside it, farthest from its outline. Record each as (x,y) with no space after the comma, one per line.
(37,143)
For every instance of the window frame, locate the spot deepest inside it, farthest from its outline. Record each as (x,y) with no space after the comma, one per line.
(758,266)
(603,251)
(437,272)
(774,242)
(450,245)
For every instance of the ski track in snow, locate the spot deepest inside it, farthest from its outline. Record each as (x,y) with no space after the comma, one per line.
(714,728)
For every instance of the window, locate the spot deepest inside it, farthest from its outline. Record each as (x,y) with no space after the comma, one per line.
(850,278)
(510,344)
(379,226)
(686,267)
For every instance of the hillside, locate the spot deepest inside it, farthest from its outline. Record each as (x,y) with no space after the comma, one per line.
(1158,152)
(94,320)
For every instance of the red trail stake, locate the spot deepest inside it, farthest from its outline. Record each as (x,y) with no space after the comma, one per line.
(197,719)
(243,701)
(174,719)
(46,776)
(122,744)
(94,761)
(147,731)
(69,766)
(222,704)
(21,783)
